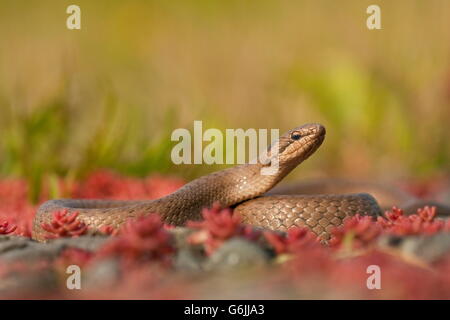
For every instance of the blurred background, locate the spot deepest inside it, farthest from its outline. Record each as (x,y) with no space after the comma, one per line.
(110,95)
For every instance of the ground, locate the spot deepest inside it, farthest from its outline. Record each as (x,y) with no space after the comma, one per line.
(393,257)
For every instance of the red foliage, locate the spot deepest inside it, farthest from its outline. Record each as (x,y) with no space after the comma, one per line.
(107,185)
(428,187)
(309,263)
(141,240)
(399,279)
(218,226)
(362,231)
(144,246)
(296,240)
(75,256)
(64,224)
(391,217)
(421,223)
(17,267)
(14,206)
(109,230)
(357,232)
(7,228)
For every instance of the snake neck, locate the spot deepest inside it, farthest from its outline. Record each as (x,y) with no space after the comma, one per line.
(227,187)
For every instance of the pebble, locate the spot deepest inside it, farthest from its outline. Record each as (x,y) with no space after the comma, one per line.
(427,248)
(237,253)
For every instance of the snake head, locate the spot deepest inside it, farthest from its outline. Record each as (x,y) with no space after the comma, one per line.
(295,146)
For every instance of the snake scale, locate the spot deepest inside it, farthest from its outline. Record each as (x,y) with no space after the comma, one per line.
(244,188)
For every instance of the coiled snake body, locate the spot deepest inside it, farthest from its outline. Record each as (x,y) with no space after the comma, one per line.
(242,187)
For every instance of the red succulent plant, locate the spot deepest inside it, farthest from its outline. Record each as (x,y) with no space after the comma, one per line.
(109,230)
(145,246)
(295,240)
(356,232)
(423,222)
(140,240)
(77,256)
(218,226)
(7,228)
(64,224)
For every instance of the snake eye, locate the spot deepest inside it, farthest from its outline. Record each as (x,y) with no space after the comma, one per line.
(296,136)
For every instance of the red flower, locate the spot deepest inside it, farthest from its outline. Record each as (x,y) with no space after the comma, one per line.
(297,239)
(218,226)
(76,256)
(392,216)
(357,232)
(422,222)
(140,240)
(427,213)
(7,228)
(109,230)
(64,224)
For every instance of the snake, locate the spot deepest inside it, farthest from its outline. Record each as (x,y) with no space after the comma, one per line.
(250,193)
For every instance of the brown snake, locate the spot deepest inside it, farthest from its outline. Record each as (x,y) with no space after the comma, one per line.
(244,188)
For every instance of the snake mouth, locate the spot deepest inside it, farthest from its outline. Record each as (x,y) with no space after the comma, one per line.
(321,136)
(322,132)
(291,151)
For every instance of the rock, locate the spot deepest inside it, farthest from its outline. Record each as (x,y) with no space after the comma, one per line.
(27,250)
(20,249)
(89,243)
(30,254)
(180,235)
(102,273)
(8,243)
(20,284)
(20,252)
(237,253)
(189,259)
(427,248)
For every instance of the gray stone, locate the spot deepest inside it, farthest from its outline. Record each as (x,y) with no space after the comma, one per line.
(180,235)
(237,253)
(20,285)
(102,273)
(89,243)
(189,259)
(427,248)
(26,250)
(8,243)
(29,254)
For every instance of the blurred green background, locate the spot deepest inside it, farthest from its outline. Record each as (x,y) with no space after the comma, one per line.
(109,95)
